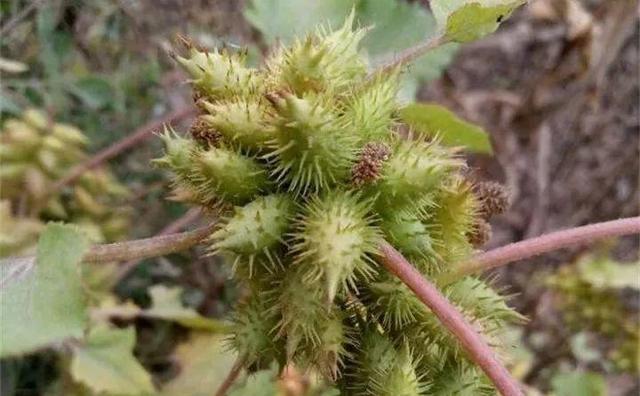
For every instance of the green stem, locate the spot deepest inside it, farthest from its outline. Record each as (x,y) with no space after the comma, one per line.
(141,249)
(410,54)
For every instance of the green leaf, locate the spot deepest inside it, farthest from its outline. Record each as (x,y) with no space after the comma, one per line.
(397,25)
(604,273)
(105,363)
(467,20)
(204,364)
(283,20)
(43,302)
(436,121)
(94,92)
(578,384)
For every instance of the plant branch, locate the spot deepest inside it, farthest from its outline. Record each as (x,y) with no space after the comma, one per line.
(543,244)
(231,377)
(477,348)
(140,134)
(178,225)
(145,248)
(410,54)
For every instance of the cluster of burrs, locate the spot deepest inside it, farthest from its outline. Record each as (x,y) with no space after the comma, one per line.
(35,153)
(303,159)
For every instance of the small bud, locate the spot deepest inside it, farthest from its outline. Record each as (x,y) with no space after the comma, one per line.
(494,198)
(369,165)
(203,133)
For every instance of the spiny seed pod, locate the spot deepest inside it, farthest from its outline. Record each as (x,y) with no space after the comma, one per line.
(313,331)
(370,109)
(451,377)
(414,169)
(242,122)
(494,198)
(334,239)
(222,174)
(219,74)
(178,153)
(312,150)
(251,335)
(408,233)
(380,368)
(394,305)
(369,165)
(309,156)
(254,231)
(322,61)
(453,220)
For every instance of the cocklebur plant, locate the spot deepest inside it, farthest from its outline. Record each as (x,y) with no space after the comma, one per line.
(35,152)
(304,161)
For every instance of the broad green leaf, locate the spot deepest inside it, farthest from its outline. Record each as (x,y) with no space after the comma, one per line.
(578,384)
(105,363)
(468,20)
(436,121)
(283,20)
(43,302)
(604,273)
(398,25)
(95,92)
(204,364)
(165,304)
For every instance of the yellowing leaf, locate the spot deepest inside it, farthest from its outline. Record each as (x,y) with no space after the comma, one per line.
(204,364)
(436,121)
(165,304)
(105,363)
(43,303)
(467,20)
(604,273)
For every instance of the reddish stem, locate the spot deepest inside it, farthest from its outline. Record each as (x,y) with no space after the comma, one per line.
(477,348)
(231,377)
(543,244)
(118,147)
